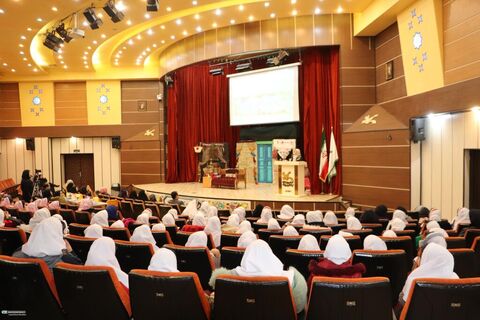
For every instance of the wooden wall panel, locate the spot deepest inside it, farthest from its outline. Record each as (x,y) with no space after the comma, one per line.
(10,105)
(14,158)
(382,156)
(70,103)
(371,197)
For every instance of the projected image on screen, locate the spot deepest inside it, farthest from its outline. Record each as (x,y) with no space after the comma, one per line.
(264,96)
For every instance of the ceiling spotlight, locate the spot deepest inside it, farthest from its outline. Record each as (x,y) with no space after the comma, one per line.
(152,5)
(276,60)
(92,18)
(63,33)
(115,14)
(216,71)
(244,66)
(52,42)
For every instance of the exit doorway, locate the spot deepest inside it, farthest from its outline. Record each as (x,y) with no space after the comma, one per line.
(80,169)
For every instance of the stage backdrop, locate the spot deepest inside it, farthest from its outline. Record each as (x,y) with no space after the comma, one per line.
(198,110)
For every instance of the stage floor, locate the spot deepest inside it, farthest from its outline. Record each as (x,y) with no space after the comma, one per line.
(260,192)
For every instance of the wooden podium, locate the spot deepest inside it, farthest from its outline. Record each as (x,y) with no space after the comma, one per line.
(290,176)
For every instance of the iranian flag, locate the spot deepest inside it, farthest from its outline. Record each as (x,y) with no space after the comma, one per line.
(323,169)
(332,161)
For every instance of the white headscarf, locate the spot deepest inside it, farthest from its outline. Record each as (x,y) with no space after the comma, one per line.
(330,218)
(337,250)
(159,227)
(389,234)
(299,219)
(93,231)
(100,218)
(259,260)
(432,225)
(246,238)
(286,212)
(199,220)
(144,234)
(400,215)
(439,230)
(212,212)
(163,260)
(396,224)
(118,224)
(148,211)
(434,237)
(191,209)
(372,242)
(273,224)
(290,231)
(102,253)
(244,227)
(265,215)
(350,212)
(436,262)
(435,215)
(204,208)
(240,211)
(308,243)
(168,220)
(38,217)
(143,218)
(46,239)
(314,216)
(174,213)
(214,227)
(353,224)
(197,239)
(233,220)
(463,216)
(2,218)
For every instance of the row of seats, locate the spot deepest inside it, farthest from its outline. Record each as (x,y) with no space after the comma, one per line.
(80,292)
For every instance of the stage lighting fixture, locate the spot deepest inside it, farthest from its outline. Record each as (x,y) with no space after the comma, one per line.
(244,66)
(152,5)
(63,33)
(92,18)
(216,71)
(52,42)
(113,12)
(276,60)
(168,80)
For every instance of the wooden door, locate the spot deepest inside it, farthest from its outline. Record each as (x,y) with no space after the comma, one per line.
(474,179)
(79,168)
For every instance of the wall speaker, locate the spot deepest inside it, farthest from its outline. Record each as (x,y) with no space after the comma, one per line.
(417,129)
(116,143)
(30,144)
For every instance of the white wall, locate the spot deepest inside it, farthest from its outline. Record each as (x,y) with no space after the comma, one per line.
(441,169)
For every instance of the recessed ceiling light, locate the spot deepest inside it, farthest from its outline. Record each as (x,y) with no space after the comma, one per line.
(149,32)
(218,12)
(84,58)
(22,53)
(196,16)
(29,64)
(2,11)
(185,32)
(60,51)
(35,69)
(86,67)
(20,45)
(178,21)
(5,64)
(25,59)
(120,6)
(85,52)
(241,7)
(194,2)
(139,37)
(148,49)
(94,42)
(23,37)
(85,24)
(89,48)
(172,37)
(154,45)
(232,21)
(100,15)
(272,15)
(267,4)
(29,29)
(103,36)
(124,48)
(85,62)
(250,18)
(294,12)
(13,70)
(60,57)
(129,22)
(130,42)
(339,9)
(65,67)
(293,1)
(61,62)
(317,10)
(147,16)
(54,9)
(214,25)
(169,9)
(199,29)
(39,19)
(162,27)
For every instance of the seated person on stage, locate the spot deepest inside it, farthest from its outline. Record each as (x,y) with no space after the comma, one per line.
(198,224)
(175,199)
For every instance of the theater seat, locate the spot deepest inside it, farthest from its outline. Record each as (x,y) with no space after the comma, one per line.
(24,215)
(67,215)
(126,209)
(337,227)
(377,228)
(299,259)
(241,298)
(361,233)
(182,237)
(456,242)
(180,222)
(280,244)
(340,298)
(401,243)
(317,233)
(465,263)
(80,245)
(91,292)
(229,239)
(258,225)
(161,295)
(11,239)
(231,257)
(391,264)
(196,260)
(470,236)
(133,255)
(172,230)
(161,238)
(444,299)
(78,229)
(409,233)
(117,233)
(82,217)
(27,285)
(264,234)
(353,241)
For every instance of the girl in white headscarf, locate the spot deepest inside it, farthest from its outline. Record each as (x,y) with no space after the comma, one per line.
(93,231)
(233,223)
(38,217)
(298,220)
(190,209)
(197,239)
(214,227)
(396,224)
(290,231)
(259,261)
(432,225)
(159,227)
(350,212)
(100,218)
(212,212)
(308,243)
(118,224)
(168,220)
(389,234)
(463,217)
(46,242)
(265,215)
(246,238)
(353,224)
(144,234)
(435,215)
(204,208)
(163,260)
(102,253)
(199,220)
(314,216)
(240,211)
(244,227)
(174,213)
(436,262)
(400,215)
(373,242)
(143,218)
(330,218)
(273,224)
(286,212)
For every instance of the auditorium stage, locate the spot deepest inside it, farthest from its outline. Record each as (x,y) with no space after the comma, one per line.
(263,193)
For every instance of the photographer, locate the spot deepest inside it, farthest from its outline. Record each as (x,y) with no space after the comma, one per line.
(27,186)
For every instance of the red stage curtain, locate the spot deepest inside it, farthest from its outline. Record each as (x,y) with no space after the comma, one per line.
(319,89)
(198,111)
